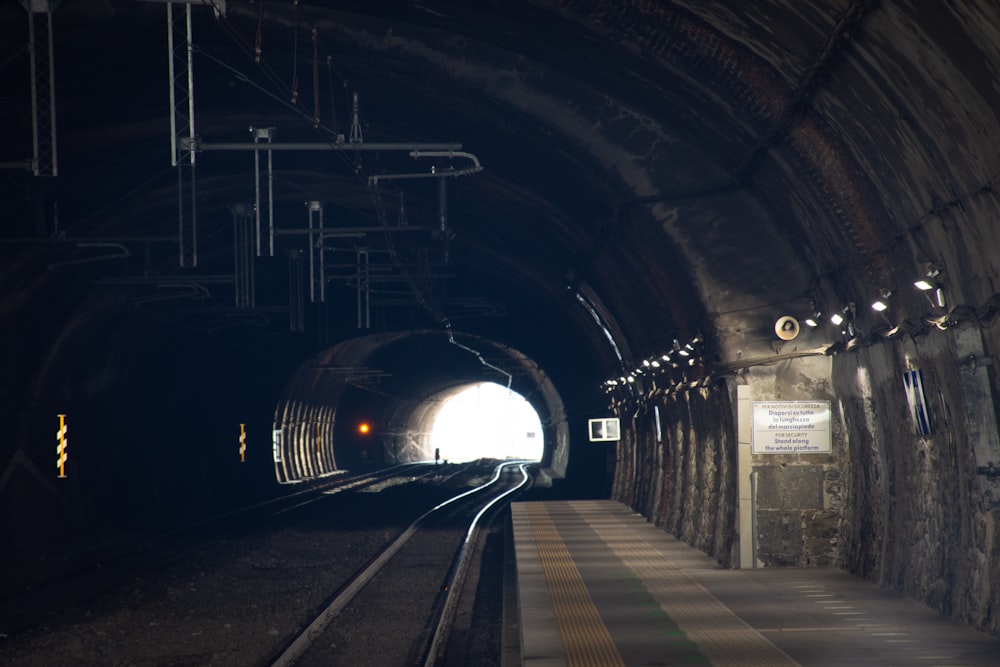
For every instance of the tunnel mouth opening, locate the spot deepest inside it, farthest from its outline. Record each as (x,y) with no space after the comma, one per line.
(485,420)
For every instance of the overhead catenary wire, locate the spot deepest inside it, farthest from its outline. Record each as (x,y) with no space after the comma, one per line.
(250,51)
(117,200)
(287,95)
(291,101)
(15,55)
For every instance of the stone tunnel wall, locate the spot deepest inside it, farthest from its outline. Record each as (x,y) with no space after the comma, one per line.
(685,475)
(794,499)
(918,517)
(914,512)
(681,476)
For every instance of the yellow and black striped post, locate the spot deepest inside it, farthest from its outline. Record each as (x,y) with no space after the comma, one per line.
(61,446)
(243,443)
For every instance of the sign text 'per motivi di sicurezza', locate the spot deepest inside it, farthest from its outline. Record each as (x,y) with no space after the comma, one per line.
(791,427)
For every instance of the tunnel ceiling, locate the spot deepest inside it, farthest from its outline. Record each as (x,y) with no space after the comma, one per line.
(649,171)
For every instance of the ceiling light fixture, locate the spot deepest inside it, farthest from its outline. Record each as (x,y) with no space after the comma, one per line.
(926,286)
(837,319)
(817,315)
(882,304)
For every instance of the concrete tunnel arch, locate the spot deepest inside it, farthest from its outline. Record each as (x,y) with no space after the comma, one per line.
(374,378)
(749,165)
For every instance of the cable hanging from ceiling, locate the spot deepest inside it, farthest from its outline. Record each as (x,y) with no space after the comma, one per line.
(259,37)
(295,55)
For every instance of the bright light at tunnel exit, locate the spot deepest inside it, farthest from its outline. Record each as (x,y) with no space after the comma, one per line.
(487,421)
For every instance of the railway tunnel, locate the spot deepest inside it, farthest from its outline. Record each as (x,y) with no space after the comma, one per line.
(762,237)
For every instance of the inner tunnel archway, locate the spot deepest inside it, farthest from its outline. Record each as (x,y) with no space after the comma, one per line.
(399,384)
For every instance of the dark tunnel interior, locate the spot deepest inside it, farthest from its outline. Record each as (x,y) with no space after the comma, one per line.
(285,218)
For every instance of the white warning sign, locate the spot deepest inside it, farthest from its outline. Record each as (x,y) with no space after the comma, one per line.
(791,427)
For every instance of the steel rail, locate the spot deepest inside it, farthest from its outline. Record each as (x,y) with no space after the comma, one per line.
(92,573)
(459,570)
(297,647)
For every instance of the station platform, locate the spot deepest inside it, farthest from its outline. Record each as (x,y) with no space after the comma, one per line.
(598,586)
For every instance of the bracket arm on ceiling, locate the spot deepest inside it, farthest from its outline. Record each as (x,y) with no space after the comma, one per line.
(444,148)
(433,173)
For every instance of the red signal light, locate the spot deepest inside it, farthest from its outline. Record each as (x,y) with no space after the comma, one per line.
(364,428)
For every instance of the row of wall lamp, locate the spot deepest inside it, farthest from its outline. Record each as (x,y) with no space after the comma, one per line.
(926,284)
(678,356)
(929,284)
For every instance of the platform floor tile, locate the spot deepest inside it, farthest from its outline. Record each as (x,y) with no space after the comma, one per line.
(599,586)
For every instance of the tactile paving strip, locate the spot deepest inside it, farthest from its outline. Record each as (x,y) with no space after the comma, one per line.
(585,639)
(722,636)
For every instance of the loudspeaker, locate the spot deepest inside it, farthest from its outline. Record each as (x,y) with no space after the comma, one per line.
(786,327)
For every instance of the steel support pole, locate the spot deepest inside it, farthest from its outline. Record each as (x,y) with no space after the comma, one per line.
(182,130)
(256,194)
(270,203)
(443,206)
(43,96)
(263,134)
(316,224)
(296,308)
(364,289)
(322,260)
(312,267)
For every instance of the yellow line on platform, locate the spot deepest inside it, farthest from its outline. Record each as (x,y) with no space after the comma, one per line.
(722,636)
(585,639)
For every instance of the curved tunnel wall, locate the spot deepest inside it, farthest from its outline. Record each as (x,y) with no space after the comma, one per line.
(855,142)
(915,511)
(880,170)
(151,435)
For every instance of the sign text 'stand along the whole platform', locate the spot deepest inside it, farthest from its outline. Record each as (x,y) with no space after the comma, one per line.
(791,427)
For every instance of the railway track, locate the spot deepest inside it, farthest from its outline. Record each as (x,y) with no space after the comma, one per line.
(416,561)
(36,585)
(242,591)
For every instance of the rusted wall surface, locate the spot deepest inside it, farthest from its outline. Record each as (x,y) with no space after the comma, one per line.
(686,481)
(915,516)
